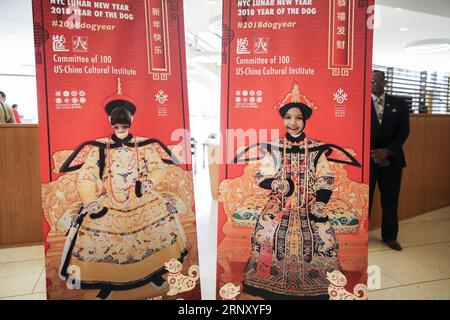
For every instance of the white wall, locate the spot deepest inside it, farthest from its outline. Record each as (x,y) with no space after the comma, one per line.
(17,67)
(21,90)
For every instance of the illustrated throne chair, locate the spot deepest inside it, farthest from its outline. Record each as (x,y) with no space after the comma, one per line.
(243,200)
(59,194)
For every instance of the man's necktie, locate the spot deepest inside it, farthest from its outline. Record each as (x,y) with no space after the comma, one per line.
(380,109)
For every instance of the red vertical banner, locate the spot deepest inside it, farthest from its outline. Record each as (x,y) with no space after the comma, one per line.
(158,38)
(117,189)
(342,23)
(295,123)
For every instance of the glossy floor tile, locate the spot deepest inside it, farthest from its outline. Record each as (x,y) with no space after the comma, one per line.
(405,269)
(21,254)
(435,290)
(20,278)
(36,296)
(206,211)
(422,269)
(375,243)
(388,282)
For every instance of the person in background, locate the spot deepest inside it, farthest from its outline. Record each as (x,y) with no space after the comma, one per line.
(390,129)
(6,114)
(16,113)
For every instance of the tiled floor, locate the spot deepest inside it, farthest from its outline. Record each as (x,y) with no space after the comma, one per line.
(420,271)
(22,274)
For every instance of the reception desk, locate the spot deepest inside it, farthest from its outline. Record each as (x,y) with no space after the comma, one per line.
(425,181)
(20,193)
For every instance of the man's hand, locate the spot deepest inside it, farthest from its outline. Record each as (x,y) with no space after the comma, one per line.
(380,156)
(385,163)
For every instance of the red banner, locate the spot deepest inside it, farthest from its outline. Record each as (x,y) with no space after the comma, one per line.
(158,38)
(116,177)
(293,186)
(341,40)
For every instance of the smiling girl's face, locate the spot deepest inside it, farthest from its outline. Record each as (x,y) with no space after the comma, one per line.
(121,130)
(121,120)
(293,121)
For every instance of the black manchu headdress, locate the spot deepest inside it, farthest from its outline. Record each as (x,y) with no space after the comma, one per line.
(295,99)
(119,100)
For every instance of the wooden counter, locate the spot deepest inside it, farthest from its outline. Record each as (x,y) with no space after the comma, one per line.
(426,179)
(20,192)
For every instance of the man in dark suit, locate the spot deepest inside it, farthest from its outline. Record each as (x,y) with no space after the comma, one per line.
(390,129)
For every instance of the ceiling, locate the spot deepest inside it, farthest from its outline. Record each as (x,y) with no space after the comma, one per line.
(16,37)
(437,8)
(403,22)
(399,23)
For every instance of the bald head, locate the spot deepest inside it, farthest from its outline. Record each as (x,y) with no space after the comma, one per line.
(378,82)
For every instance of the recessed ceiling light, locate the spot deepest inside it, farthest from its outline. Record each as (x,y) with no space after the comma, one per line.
(428,46)
(403,29)
(399,9)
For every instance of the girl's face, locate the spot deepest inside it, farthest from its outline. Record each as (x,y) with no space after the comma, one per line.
(121,130)
(293,121)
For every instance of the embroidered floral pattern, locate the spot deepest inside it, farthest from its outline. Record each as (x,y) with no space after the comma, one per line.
(303,250)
